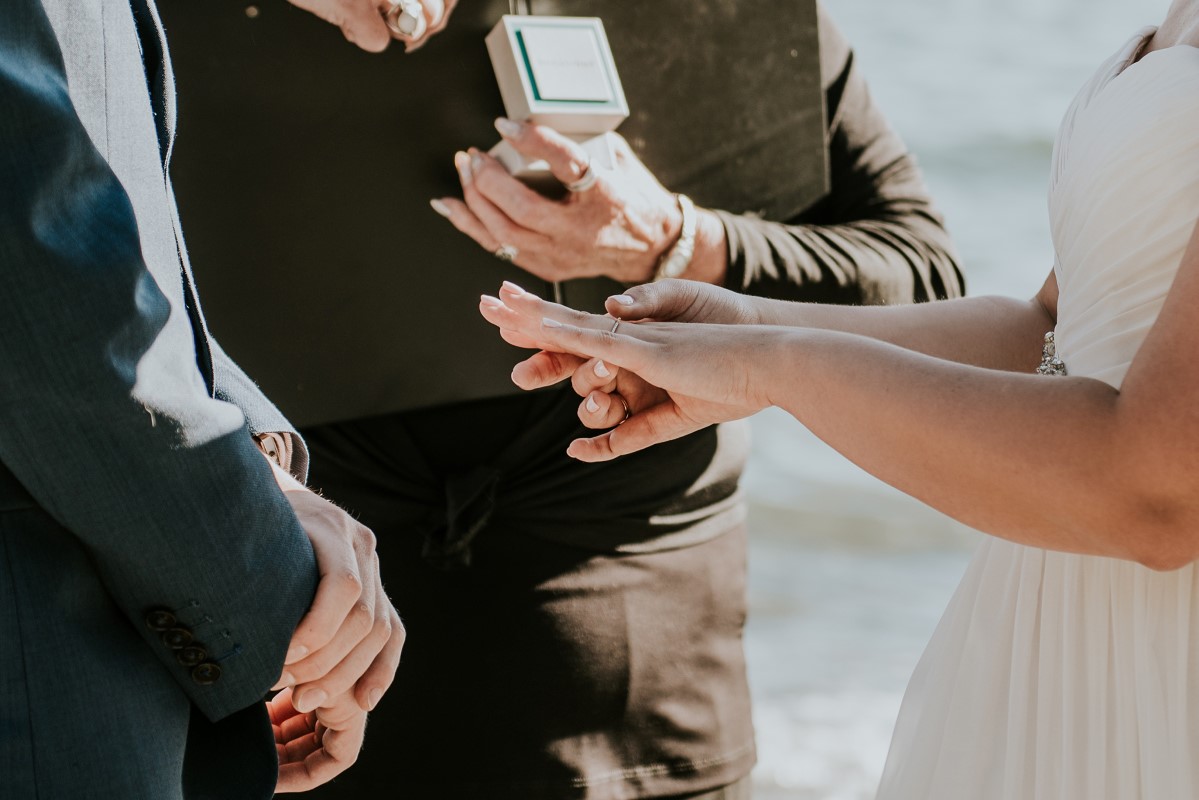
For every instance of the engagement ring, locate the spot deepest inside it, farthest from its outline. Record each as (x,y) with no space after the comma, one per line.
(406,19)
(507,252)
(615,325)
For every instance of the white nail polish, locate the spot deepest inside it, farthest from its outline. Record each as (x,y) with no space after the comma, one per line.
(441,208)
(601,369)
(462,162)
(592,406)
(476,163)
(623,299)
(512,287)
(491,302)
(507,127)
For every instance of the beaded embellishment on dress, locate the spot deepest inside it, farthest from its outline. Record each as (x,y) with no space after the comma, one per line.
(1050,363)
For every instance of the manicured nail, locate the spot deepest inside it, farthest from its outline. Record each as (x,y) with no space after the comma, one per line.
(476,161)
(550,323)
(512,287)
(310,700)
(373,699)
(507,127)
(295,654)
(623,299)
(491,302)
(592,406)
(285,680)
(602,370)
(462,162)
(440,207)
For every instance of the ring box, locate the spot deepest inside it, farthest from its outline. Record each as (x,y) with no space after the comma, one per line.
(559,72)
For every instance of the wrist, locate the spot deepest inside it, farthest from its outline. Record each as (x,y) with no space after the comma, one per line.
(677,258)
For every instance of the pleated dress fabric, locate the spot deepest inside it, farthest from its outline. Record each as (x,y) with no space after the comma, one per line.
(1054,676)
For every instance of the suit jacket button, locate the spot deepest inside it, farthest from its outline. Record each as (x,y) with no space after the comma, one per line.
(159,619)
(207,673)
(191,655)
(177,638)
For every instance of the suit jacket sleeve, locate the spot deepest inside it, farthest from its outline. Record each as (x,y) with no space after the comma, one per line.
(234,386)
(876,237)
(161,482)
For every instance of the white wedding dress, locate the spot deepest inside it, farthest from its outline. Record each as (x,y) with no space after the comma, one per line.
(1065,677)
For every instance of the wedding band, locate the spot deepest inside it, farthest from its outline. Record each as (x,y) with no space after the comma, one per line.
(615,325)
(506,252)
(406,18)
(627,412)
(585,181)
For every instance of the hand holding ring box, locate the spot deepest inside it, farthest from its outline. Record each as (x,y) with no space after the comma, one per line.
(557,71)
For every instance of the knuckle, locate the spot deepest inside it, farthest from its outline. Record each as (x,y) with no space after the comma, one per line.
(350,582)
(362,618)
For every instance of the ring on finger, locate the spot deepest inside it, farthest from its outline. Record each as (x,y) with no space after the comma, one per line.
(406,19)
(615,325)
(506,252)
(627,412)
(586,180)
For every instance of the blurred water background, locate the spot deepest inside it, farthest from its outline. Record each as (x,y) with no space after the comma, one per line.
(848,577)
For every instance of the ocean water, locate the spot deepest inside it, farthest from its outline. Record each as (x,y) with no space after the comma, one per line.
(848,576)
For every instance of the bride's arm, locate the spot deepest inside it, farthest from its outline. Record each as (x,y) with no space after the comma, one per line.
(990,331)
(1066,463)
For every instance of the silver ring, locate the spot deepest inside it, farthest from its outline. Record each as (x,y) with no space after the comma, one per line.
(506,252)
(406,19)
(585,181)
(615,325)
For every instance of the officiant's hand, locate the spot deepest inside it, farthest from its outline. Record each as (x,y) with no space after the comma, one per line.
(361,21)
(619,228)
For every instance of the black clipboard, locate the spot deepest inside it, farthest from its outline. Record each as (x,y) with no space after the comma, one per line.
(304,167)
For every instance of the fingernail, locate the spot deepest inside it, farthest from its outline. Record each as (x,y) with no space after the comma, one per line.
(287,679)
(295,654)
(310,700)
(623,299)
(512,287)
(507,127)
(550,323)
(476,161)
(462,162)
(491,302)
(601,369)
(592,406)
(373,699)
(440,207)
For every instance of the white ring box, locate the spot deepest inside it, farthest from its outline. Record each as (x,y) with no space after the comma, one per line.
(557,71)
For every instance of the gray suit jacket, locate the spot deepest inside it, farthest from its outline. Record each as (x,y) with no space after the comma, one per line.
(151,573)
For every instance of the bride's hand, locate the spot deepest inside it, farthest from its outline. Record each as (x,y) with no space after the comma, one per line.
(663,301)
(675,379)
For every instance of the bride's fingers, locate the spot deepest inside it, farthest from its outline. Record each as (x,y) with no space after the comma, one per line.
(655,425)
(615,349)
(602,410)
(593,375)
(545,369)
(533,309)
